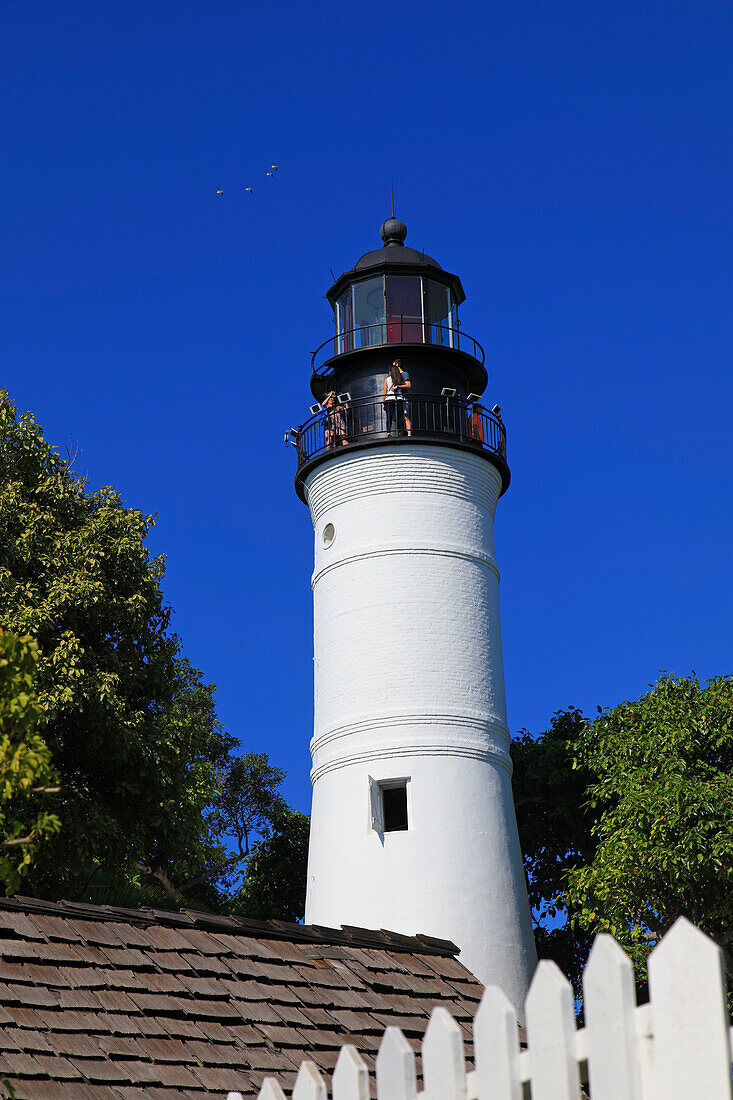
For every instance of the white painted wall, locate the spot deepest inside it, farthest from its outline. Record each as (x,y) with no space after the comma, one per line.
(409,682)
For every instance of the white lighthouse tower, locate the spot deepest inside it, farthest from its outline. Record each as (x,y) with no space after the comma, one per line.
(413,825)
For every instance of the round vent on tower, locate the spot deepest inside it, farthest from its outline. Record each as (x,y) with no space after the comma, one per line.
(329,534)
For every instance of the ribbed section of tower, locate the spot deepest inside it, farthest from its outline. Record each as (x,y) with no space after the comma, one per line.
(409,697)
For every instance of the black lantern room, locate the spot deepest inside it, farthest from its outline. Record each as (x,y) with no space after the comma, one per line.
(397,305)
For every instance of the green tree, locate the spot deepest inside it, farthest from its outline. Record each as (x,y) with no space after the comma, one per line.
(626,821)
(131,726)
(661,793)
(555,829)
(245,807)
(26,773)
(275,882)
(248,800)
(248,805)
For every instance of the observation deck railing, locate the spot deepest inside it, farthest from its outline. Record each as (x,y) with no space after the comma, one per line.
(372,419)
(398,330)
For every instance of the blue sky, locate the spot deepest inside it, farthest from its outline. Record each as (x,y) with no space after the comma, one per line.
(570,160)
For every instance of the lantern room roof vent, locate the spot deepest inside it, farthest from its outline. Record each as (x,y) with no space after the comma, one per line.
(393,231)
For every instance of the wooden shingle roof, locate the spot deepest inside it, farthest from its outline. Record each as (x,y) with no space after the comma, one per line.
(98,1003)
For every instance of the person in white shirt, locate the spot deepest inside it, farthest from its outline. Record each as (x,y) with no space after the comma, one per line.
(396,406)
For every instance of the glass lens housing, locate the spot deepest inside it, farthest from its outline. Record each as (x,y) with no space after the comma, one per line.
(395,309)
(369,312)
(344,323)
(404,309)
(438,314)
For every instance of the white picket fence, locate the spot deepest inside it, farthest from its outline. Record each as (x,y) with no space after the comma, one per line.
(676,1047)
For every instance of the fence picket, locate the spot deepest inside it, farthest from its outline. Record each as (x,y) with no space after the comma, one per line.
(351,1076)
(676,1047)
(309,1084)
(496,1048)
(270,1090)
(396,1078)
(687,993)
(609,1003)
(645,1050)
(551,1035)
(443,1059)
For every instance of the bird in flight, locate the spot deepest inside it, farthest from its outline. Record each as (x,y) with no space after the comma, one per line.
(250,190)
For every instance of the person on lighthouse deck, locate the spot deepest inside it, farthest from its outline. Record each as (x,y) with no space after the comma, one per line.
(475,425)
(396,407)
(335,425)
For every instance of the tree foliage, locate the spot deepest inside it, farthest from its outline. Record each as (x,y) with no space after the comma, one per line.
(275,882)
(626,821)
(154,806)
(27,776)
(555,828)
(130,725)
(249,799)
(245,806)
(661,792)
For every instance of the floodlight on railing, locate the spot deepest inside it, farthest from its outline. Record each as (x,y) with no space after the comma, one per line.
(344,397)
(315,409)
(473,397)
(496,410)
(448,391)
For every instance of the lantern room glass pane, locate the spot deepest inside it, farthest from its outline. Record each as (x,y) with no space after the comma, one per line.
(369,312)
(404,309)
(344,323)
(437,314)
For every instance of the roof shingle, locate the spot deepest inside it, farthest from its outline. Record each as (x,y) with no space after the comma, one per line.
(117,1004)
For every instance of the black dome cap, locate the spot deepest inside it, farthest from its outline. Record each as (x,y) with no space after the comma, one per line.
(393,231)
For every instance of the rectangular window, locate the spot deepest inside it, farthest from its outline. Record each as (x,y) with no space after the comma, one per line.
(388,805)
(394,808)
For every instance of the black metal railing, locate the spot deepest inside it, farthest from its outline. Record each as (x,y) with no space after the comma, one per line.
(399,330)
(371,419)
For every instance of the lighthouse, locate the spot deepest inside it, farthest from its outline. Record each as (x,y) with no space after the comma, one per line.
(413,826)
